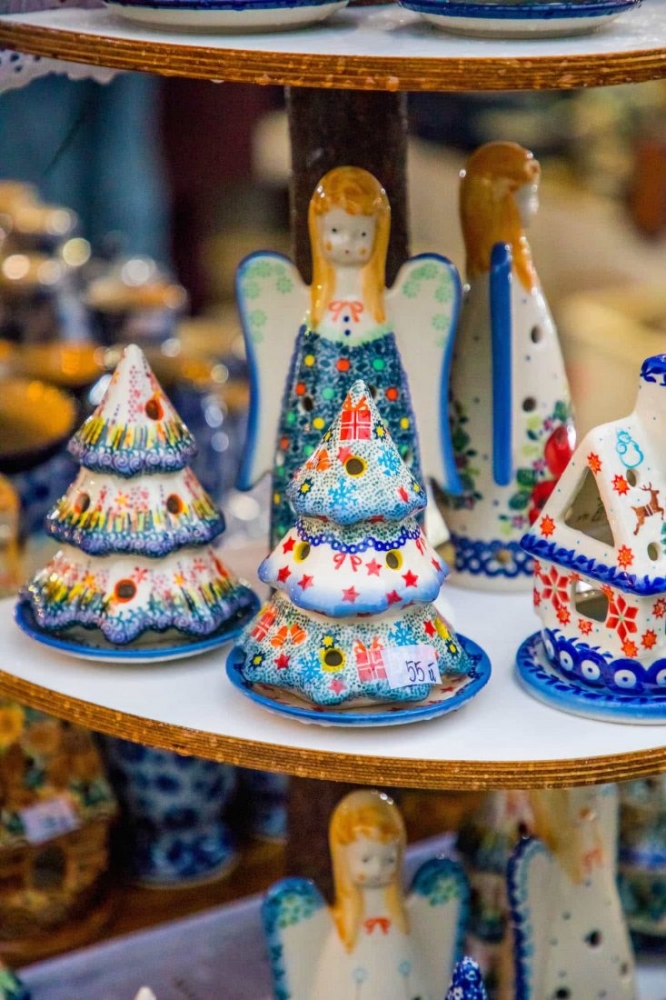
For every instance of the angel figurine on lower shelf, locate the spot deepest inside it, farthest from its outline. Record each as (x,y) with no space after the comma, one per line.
(372,943)
(306,346)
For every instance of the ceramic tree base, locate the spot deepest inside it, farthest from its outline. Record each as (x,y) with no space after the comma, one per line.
(453,693)
(568,693)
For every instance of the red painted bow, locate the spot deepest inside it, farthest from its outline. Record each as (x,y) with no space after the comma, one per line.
(382,922)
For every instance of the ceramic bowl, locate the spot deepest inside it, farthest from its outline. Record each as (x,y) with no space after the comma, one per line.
(519,18)
(227,15)
(35,420)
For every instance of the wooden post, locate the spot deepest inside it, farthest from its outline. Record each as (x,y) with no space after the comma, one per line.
(331,128)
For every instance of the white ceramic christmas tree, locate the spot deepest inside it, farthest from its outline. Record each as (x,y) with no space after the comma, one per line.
(137,527)
(355,579)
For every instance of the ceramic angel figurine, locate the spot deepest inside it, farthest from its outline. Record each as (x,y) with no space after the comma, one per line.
(372,944)
(306,346)
(570,936)
(509,403)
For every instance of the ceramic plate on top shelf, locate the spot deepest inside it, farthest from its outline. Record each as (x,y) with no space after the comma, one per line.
(226,15)
(519,18)
(549,685)
(152,647)
(447,698)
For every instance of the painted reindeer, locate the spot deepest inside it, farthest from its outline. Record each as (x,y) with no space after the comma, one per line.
(648,509)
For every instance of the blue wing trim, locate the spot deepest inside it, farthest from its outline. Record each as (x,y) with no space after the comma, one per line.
(517,874)
(286,903)
(434,880)
(501,338)
(244,480)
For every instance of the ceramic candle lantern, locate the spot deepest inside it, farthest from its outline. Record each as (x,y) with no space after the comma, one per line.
(509,402)
(137,529)
(373,943)
(570,937)
(306,346)
(352,622)
(600,569)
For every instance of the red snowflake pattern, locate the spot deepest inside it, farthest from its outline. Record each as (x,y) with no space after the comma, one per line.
(622,617)
(620,485)
(555,588)
(563,615)
(547,526)
(537,598)
(649,639)
(625,557)
(594,462)
(584,626)
(659,609)
(629,648)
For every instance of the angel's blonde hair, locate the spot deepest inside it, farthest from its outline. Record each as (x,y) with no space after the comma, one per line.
(374,815)
(357,192)
(489,212)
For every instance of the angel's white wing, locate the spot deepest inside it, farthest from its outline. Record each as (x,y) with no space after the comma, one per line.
(297,923)
(273,302)
(437,906)
(422,308)
(531,874)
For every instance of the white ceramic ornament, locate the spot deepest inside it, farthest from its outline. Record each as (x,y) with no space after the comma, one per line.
(137,529)
(599,548)
(373,943)
(307,346)
(570,938)
(510,411)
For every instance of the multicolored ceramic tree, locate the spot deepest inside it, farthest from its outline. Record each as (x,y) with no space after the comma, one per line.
(355,577)
(136,525)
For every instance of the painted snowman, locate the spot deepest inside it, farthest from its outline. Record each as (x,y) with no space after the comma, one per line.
(510,409)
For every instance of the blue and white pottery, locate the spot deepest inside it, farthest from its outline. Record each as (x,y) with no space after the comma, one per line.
(264,803)
(227,15)
(173,806)
(519,18)
(642,857)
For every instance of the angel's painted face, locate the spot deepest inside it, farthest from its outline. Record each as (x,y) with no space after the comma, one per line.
(372,863)
(527,199)
(347,239)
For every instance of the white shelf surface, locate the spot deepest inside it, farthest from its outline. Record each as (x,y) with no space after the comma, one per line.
(388,35)
(502,726)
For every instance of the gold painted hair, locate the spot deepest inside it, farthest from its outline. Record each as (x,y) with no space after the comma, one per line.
(489,212)
(359,193)
(374,815)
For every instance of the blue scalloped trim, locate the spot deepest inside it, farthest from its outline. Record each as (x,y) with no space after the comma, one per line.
(570,654)
(433,880)
(517,872)
(630,583)
(368,541)
(131,463)
(153,544)
(479,558)
(542,11)
(287,902)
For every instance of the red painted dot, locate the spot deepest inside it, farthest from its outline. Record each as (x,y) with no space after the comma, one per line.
(284,443)
(392,393)
(300,388)
(342,364)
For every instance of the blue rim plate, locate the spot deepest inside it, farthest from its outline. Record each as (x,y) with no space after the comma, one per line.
(546,683)
(91,645)
(246,6)
(539,10)
(442,701)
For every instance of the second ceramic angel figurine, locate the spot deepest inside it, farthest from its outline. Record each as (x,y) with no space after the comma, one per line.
(346,327)
(372,944)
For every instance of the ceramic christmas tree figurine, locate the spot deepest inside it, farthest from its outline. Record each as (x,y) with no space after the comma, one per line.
(136,527)
(352,615)
(600,570)
(569,930)
(306,346)
(373,943)
(509,404)
(467,982)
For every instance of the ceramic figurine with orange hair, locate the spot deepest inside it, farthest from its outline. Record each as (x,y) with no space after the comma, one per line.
(373,943)
(510,409)
(307,346)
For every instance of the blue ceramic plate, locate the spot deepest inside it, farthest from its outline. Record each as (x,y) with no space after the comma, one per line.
(90,644)
(447,698)
(545,682)
(226,15)
(528,18)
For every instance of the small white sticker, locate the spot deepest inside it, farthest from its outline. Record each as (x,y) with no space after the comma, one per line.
(48,820)
(408,665)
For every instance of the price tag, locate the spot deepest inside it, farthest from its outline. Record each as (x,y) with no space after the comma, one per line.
(408,665)
(48,820)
